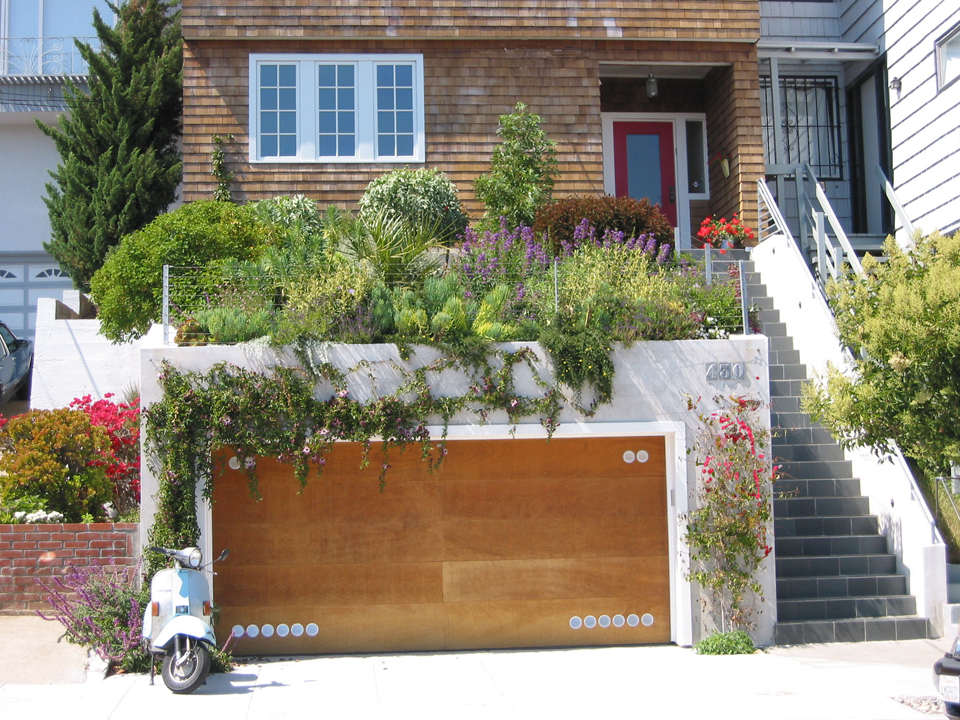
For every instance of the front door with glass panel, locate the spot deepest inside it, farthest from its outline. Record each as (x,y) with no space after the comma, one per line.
(644,167)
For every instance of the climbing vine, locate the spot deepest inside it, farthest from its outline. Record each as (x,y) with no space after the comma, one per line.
(727,533)
(276,414)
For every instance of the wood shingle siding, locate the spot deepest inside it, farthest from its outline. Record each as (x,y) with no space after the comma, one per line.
(468,85)
(737,20)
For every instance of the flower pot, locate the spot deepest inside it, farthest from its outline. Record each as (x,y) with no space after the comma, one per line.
(725,167)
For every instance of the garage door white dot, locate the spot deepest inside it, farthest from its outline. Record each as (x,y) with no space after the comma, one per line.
(643,456)
(576,623)
(632,620)
(647,619)
(252,631)
(629,457)
(282,630)
(296,630)
(267,631)
(590,622)
(618,621)
(237,631)
(312,629)
(604,621)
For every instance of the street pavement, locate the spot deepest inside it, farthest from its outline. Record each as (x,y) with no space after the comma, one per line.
(814,682)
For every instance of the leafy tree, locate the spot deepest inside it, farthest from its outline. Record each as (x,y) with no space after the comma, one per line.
(522,170)
(901,319)
(128,289)
(119,161)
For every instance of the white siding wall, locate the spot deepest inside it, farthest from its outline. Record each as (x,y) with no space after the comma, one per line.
(924,126)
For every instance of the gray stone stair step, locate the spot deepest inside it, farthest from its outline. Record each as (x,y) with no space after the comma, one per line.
(807,469)
(792,420)
(836,566)
(829,526)
(788,372)
(786,388)
(762,302)
(808,452)
(830,545)
(785,404)
(776,330)
(817,487)
(781,344)
(798,436)
(766,315)
(846,608)
(784,357)
(822,507)
(843,586)
(856,630)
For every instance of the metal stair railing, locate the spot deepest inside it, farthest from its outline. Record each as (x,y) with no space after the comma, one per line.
(894,202)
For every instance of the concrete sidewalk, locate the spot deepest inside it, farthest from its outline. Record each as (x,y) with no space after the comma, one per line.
(808,682)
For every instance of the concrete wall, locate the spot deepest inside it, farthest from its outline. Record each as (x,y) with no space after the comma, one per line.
(894,496)
(71,358)
(652,382)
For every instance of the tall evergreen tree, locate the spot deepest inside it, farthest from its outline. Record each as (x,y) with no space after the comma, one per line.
(120,163)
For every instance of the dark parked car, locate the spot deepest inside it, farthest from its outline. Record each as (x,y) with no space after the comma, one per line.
(946,675)
(16,365)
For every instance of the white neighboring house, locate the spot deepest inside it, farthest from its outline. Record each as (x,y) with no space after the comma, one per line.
(37,56)
(862,84)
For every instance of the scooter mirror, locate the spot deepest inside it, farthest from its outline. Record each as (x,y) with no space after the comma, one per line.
(223,555)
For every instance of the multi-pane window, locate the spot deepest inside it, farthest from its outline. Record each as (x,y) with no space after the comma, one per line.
(36,36)
(336,108)
(809,130)
(278,110)
(394,110)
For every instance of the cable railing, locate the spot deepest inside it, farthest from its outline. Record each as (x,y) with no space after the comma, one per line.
(216,305)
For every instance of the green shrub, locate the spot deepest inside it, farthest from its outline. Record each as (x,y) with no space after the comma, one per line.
(230,325)
(128,289)
(736,642)
(56,456)
(424,196)
(522,171)
(560,218)
(298,215)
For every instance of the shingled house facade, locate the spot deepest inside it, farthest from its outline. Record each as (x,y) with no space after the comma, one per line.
(321,98)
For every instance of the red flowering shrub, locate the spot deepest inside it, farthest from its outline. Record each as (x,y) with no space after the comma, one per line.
(723,234)
(122,460)
(727,533)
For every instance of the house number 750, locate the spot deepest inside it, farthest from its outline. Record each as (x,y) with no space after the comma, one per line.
(720,372)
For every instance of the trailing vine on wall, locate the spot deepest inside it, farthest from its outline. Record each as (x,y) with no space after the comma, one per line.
(276,414)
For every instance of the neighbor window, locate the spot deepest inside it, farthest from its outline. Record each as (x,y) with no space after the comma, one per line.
(336,108)
(948,58)
(809,129)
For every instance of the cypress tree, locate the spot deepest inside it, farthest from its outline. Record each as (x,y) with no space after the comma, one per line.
(120,163)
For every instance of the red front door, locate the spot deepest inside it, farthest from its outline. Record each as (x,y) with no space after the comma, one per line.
(644,164)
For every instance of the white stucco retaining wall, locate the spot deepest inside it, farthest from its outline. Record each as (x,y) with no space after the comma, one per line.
(650,398)
(72,359)
(894,496)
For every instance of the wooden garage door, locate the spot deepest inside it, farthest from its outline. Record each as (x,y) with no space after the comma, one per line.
(512,543)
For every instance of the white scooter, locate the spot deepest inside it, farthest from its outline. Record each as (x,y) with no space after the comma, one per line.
(178,621)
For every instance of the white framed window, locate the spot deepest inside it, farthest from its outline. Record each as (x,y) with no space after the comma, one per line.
(948,58)
(336,108)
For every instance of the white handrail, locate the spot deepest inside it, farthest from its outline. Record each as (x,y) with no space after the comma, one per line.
(894,201)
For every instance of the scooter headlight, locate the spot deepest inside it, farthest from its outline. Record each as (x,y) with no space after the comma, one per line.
(195,558)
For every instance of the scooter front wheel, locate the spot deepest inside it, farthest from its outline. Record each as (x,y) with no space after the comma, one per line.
(186,665)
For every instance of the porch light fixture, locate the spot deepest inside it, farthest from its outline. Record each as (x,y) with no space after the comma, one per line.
(895,84)
(651,86)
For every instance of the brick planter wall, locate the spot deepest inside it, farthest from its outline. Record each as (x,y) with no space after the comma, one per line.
(32,552)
